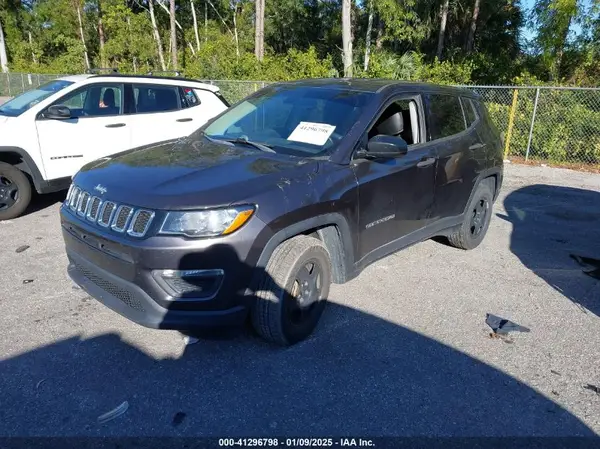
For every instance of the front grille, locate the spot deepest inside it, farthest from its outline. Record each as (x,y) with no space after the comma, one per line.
(122,217)
(119,217)
(74,198)
(95,203)
(83,204)
(122,294)
(107,213)
(140,223)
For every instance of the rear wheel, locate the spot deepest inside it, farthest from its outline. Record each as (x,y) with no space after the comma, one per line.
(477,218)
(15,192)
(292,292)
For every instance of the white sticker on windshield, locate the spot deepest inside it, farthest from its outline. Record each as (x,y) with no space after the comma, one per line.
(313,133)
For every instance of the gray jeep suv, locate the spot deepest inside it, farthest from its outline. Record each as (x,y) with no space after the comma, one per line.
(298,186)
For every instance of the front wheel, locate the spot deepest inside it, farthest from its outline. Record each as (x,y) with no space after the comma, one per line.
(15,192)
(292,292)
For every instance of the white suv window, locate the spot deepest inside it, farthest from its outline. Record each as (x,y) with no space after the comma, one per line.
(95,100)
(153,98)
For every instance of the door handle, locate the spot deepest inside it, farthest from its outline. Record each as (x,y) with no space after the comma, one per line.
(476,146)
(184,119)
(426,162)
(115,125)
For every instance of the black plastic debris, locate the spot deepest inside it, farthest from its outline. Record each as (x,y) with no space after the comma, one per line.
(503,326)
(591,266)
(22,248)
(593,388)
(27,281)
(178,418)
(555,372)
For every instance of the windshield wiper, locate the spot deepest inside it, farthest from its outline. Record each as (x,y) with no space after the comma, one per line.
(259,146)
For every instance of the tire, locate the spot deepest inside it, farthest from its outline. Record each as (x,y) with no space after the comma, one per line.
(477,219)
(277,313)
(15,192)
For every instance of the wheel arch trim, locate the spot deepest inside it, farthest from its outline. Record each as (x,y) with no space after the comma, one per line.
(333,230)
(28,163)
(495,172)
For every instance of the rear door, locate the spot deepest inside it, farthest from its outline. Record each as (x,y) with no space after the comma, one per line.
(164,112)
(98,127)
(461,152)
(395,195)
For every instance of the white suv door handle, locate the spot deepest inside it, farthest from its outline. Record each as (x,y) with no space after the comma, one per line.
(115,125)
(185,119)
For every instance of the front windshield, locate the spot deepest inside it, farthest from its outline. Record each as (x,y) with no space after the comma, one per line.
(27,100)
(301,121)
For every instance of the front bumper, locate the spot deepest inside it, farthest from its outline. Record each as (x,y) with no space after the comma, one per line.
(130,301)
(121,272)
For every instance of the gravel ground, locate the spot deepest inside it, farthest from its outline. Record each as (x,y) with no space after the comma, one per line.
(402,350)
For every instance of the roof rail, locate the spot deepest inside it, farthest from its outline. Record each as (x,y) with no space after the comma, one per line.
(176,72)
(100,69)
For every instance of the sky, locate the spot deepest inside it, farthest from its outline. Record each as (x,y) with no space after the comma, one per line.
(529,33)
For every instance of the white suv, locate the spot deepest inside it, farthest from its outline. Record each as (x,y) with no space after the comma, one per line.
(49,133)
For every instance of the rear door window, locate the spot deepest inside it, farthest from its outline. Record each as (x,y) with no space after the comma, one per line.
(445,116)
(152,99)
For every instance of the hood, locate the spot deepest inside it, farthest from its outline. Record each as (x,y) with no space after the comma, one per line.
(190,174)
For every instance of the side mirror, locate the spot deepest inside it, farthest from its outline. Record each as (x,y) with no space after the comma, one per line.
(58,112)
(382,146)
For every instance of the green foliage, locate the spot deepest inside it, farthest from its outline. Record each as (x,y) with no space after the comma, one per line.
(446,72)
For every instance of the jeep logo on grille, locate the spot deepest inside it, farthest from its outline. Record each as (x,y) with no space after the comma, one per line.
(100,188)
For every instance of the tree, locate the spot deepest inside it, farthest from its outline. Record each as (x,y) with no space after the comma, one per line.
(443,20)
(173,34)
(156,35)
(553,19)
(259,33)
(3,58)
(101,37)
(473,26)
(368,38)
(347,37)
(77,5)
(195,25)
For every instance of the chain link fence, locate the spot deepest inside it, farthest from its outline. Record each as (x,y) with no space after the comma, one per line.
(547,124)
(12,84)
(554,125)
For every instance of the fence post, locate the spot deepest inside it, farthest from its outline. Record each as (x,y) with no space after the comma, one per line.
(23,81)
(511,120)
(537,96)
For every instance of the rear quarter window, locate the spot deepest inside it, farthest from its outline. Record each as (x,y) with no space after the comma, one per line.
(445,115)
(470,111)
(189,99)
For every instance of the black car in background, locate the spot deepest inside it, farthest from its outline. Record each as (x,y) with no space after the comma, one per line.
(298,186)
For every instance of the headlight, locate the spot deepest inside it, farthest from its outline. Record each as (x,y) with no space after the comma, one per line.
(206,223)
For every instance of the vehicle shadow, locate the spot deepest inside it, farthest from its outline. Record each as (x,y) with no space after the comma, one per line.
(550,224)
(358,374)
(41,202)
